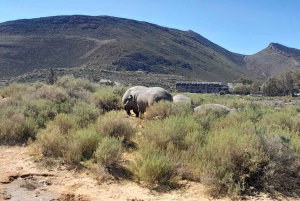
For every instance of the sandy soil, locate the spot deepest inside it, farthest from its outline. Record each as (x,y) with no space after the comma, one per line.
(23,179)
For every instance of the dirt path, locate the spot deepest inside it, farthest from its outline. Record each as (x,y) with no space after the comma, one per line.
(22,179)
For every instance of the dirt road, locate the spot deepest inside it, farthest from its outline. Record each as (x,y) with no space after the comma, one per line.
(22,179)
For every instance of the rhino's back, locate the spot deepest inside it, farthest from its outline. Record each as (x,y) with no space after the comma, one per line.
(133,91)
(179,98)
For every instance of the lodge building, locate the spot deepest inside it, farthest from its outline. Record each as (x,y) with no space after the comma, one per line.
(201,87)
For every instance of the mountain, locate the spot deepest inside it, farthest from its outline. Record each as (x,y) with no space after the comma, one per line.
(118,44)
(274,59)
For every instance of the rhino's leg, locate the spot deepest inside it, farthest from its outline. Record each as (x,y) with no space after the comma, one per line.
(136,112)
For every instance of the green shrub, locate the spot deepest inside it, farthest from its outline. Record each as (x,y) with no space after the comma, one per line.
(106,100)
(209,116)
(231,162)
(77,88)
(76,84)
(154,167)
(84,113)
(116,124)
(88,140)
(163,109)
(109,151)
(172,130)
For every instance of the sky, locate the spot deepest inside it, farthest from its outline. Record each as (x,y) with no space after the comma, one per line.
(240,26)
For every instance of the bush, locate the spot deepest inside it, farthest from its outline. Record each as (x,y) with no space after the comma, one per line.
(163,109)
(84,113)
(231,163)
(51,93)
(15,89)
(115,124)
(65,123)
(77,88)
(51,142)
(209,116)
(88,140)
(172,130)
(155,168)
(106,100)
(109,151)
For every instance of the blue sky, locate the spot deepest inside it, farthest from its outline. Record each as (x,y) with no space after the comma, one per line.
(241,26)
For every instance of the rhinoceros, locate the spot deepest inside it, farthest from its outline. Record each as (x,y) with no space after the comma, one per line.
(214,107)
(151,95)
(131,94)
(147,97)
(179,98)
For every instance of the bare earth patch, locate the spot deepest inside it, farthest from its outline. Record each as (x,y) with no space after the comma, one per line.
(22,179)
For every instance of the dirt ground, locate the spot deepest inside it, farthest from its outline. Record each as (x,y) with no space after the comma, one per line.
(23,179)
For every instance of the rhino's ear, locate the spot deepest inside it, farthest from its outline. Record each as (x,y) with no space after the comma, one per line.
(129,98)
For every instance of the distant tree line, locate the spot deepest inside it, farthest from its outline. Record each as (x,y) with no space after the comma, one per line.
(285,83)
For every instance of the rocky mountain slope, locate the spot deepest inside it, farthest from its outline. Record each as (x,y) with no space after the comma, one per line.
(274,59)
(118,44)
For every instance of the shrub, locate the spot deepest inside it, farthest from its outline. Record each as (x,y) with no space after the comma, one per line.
(15,127)
(109,151)
(76,84)
(165,109)
(51,142)
(88,140)
(208,116)
(65,123)
(115,124)
(54,94)
(231,162)
(282,171)
(106,100)
(15,89)
(154,167)
(77,88)
(172,130)
(84,113)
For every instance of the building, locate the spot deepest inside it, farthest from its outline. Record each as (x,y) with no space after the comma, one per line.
(201,87)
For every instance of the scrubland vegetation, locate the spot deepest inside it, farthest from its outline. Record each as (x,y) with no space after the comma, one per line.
(254,148)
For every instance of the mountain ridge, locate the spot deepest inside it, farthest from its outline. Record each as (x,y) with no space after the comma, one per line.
(121,44)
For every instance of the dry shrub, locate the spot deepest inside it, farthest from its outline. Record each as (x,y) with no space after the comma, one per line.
(282,171)
(51,142)
(55,94)
(15,89)
(61,139)
(17,129)
(77,88)
(76,84)
(65,122)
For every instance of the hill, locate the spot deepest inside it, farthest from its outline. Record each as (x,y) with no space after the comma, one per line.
(118,44)
(274,59)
